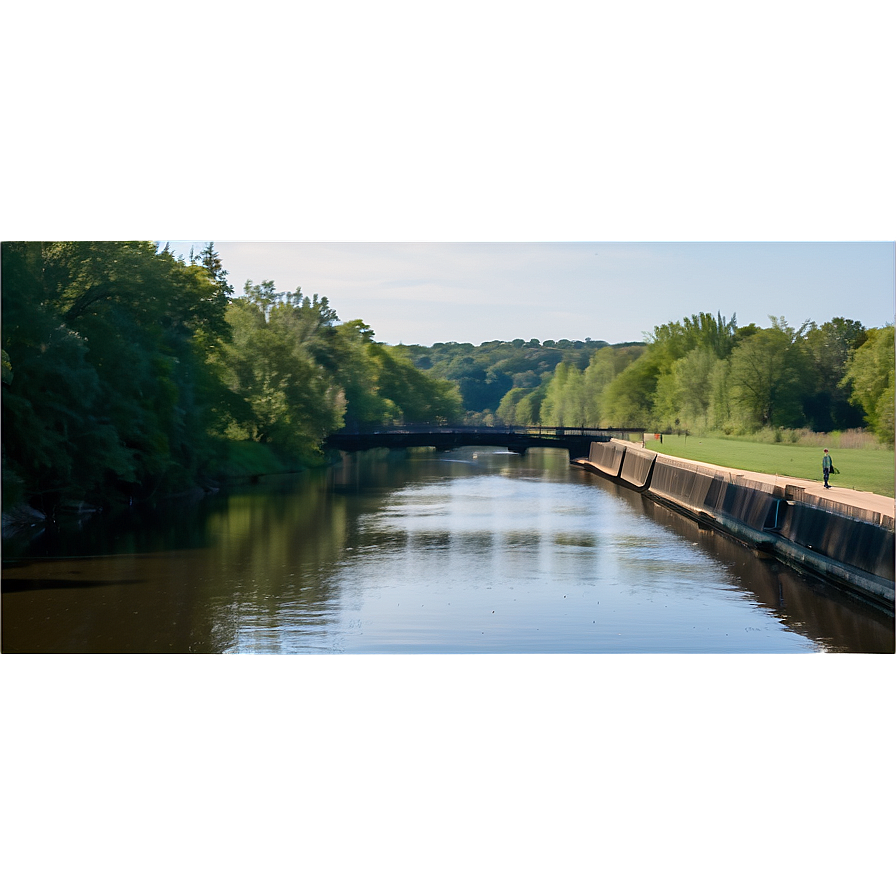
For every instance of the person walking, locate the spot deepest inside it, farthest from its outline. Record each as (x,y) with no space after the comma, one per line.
(827,465)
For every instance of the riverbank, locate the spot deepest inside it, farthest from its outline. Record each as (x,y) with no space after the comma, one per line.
(843,535)
(866,465)
(238,462)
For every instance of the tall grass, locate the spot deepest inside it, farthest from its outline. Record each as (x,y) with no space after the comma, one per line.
(850,438)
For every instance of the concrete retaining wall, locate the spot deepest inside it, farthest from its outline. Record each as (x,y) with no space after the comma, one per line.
(856,552)
(637,465)
(752,506)
(607,457)
(855,542)
(684,485)
(706,493)
(869,516)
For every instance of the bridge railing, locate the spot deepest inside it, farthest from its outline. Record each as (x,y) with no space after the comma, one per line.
(548,432)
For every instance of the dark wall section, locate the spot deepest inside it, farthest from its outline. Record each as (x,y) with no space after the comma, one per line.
(685,485)
(758,509)
(853,542)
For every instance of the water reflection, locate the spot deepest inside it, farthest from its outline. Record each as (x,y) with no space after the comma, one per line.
(468,552)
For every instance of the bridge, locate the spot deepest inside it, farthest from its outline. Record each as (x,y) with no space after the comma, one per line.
(519,439)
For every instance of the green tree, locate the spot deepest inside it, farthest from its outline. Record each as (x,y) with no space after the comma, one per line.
(870,374)
(412,396)
(628,399)
(528,410)
(605,364)
(684,394)
(769,375)
(506,412)
(286,396)
(676,339)
(830,348)
(358,373)
(107,341)
(564,400)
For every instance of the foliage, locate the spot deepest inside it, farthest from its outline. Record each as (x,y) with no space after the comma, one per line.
(297,374)
(564,400)
(706,373)
(125,370)
(870,372)
(830,348)
(769,374)
(485,374)
(570,396)
(276,364)
(628,399)
(408,394)
(105,344)
(684,394)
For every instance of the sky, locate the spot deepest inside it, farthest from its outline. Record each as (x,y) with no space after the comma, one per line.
(625,152)
(427,292)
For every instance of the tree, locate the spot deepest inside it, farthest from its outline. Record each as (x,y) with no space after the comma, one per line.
(528,410)
(563,401)
(108,343)
(605,364)
(870,373)
(628,399)
(830,349)
(769,374)
(676,339)
(506,412)
(286,397)
(684,394)
(358,373)
(411,395)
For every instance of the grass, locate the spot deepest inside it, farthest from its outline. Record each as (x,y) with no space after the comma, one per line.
(864,469)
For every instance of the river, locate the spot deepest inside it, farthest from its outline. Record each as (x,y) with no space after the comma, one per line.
(481,673)
(470,551)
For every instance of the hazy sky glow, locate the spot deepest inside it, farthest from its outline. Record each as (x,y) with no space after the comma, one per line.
(474,292)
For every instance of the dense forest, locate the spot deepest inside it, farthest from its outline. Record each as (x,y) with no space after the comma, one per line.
(129,372)
(701,374)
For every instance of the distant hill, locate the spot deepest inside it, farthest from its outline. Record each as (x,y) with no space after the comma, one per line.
(486,373)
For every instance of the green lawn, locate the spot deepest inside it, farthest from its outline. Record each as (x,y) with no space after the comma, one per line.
(864,469)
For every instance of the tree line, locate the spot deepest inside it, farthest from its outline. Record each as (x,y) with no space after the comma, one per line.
(706,373)
(127,371)
(487,373)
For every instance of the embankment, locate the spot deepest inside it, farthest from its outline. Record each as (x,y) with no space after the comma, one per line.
(840,541)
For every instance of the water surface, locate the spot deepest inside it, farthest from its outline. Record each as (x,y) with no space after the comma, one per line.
(472,551)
